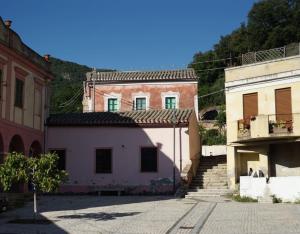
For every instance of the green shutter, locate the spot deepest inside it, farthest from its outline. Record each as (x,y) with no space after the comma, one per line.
(112,104)
(140,104)
(170,102)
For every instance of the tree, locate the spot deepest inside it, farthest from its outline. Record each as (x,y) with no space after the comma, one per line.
(66,88)
(221,120)
(41,172)
(270,24)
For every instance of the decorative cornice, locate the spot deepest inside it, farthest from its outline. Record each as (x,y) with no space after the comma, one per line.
(21,72)
(3,61)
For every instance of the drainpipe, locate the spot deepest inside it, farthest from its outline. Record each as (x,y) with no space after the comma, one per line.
(94,91)
(174,141)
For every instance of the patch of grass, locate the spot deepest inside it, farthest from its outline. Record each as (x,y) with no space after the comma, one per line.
(239,198)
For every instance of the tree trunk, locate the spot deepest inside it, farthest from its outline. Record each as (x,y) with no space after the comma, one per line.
(34,204)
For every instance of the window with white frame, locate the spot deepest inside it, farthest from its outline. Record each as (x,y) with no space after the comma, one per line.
(170,102)
(140,103)
(112,104)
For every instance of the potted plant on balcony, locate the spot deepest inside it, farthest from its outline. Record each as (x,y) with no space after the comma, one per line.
(243,128)
(281,126)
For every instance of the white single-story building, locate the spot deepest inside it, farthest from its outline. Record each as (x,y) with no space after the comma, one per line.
(133,151)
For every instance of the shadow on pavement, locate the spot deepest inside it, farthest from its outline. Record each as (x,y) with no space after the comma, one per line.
(102,216)
(62,203)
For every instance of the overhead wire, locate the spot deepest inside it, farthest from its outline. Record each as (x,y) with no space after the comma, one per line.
(74,96)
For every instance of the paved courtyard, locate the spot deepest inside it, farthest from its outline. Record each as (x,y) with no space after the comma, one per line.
(157,214)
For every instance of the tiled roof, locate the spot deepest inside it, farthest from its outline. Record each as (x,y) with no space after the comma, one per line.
(130,118)
(166,75)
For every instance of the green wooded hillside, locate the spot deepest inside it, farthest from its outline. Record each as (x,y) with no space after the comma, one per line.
(67,88)
(270,24)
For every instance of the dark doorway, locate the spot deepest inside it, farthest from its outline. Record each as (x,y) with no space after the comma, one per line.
(16,145)
(35,149)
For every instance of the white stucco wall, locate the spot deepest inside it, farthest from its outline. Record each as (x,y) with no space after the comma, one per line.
(286,188)
(213,150)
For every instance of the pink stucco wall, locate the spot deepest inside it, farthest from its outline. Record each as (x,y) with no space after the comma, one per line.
(81,142)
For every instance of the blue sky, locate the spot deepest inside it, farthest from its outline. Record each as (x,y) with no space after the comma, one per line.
(125,34)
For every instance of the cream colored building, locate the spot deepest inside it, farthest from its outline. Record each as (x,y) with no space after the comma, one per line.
(263,119)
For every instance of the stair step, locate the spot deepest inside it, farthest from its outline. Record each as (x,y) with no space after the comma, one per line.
(209,191)
(212,166)
(197,178)
(208,181)
(203,195)
(208,186)
(201,163)
(209,175)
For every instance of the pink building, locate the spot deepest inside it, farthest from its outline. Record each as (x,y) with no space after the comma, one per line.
(24,75)
(131,151)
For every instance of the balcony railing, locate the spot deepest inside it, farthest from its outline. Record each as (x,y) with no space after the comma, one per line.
(263,126)
(276,53)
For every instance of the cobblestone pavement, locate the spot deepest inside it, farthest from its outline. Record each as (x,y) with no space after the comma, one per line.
(250,218)
(92,214)
(154,214)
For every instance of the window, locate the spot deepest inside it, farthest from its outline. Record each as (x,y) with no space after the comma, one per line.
(170,102)
(140,103)
(103,161)
(19,93)
(148,159)
(61,153)
(112,104)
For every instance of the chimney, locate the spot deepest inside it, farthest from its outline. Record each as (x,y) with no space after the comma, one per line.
(47,57)
(7,23)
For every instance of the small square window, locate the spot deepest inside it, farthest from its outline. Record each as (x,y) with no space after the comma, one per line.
(61,153)
(19,93)
(103,161)
(170,102)
(140,103)
(148,159)
(112,104)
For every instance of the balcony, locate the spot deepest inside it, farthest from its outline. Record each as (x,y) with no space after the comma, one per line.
(268,126)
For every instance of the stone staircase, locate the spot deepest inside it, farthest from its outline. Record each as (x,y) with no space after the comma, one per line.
(211,178)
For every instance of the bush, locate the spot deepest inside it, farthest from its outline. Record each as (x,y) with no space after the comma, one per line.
(212,137)
(276,199)
(239,198)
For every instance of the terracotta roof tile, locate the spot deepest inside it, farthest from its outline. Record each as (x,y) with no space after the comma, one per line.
(129,118)
(165,75)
